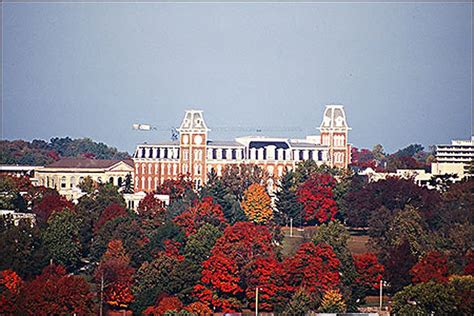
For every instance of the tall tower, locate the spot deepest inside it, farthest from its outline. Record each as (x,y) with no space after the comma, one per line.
(334,130)
(193,139)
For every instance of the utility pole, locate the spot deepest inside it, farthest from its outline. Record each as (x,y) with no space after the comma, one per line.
(291,227)
(256,301)
(101,294)
(381,291)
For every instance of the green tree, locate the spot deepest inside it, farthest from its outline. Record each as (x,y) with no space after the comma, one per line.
(425,299)
(199,245)
(299,305)
(22,248)
(127,184)
(62,238)
(287,204)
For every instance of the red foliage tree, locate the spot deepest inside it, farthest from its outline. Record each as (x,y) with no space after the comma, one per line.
(56,293)
(151,208)
(175,188)
(198,309)
(111,212)
(50,202)
(266,274)
(224,271)
(314,268)
(369,270)
(432,267)
(114,269)
(202,212)
(167,303)
(317,198)
(172,249)
(10,284)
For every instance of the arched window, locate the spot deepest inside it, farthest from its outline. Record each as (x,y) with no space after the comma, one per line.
(143,168)
(73,182)
(47,181)
(111,180)
(99,179)
(270,185)
(149,184)
(119,181)
(63,182)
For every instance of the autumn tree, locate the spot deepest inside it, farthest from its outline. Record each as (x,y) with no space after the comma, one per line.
(165,305)
(256,204)
(151,210)
(332,302)
(176,189)
(112,211)
(463,286)
(316,196)
(202,212)
(314,268)
(61,238)
(237,178)
(431,267)
(56,293)
(198,309)
(114,275)
(50,203)
(369,270)
(10,285)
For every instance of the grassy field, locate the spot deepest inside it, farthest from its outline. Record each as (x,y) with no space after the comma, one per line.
(358,243)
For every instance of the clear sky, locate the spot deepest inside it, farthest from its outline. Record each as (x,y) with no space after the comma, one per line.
(403,71)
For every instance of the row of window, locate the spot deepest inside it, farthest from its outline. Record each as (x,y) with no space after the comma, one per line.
(51,182)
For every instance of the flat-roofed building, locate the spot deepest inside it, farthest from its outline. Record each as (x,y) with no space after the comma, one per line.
(456,157)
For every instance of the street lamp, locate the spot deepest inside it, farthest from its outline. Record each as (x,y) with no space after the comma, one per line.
(256,300)
(382,283)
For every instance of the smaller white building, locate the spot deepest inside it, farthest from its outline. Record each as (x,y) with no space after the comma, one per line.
(133,199)
(19,216)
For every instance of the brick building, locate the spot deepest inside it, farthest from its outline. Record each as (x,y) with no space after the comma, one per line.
(195,154)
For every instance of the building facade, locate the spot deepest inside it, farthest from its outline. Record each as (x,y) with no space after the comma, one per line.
(456,157)
(66,174)
(195,155)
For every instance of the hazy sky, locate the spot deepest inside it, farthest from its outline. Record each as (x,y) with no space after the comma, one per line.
(402,71)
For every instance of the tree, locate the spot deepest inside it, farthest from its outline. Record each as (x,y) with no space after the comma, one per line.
(425,299)
(198,309)
(332,302)
(176,189)
(237,178)
(256,204)
(61,238)
(398,261)
(114,274)
(287,204)
(300,304)
(167,303)
(393,194)
(198,246)
(464,288)
(56,293)
(112,211)
(127,186)
(202,212)
(314,268)
(88,185)
(317,198)
(369,270)
(151,210)
(10,285)
(432,267)
(22,247)
(50,203)
(164,275)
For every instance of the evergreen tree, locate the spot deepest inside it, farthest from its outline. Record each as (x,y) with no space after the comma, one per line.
(127,184)
(287,204)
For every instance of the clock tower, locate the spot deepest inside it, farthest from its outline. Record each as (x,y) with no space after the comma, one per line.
(193,140)
(334,131)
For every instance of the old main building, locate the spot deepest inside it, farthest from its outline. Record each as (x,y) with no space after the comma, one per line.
(194,154)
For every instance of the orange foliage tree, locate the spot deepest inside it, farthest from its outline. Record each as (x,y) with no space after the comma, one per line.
(257,204)
(167,303)
(115,271)
(198,309)
(10,284)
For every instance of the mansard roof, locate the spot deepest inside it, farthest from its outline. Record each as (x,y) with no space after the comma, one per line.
(224,143)
(334,117)
(193,121)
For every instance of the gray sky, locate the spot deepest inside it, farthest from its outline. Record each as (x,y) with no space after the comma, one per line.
(403,71)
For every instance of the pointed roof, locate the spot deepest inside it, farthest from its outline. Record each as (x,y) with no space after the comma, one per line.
(193,121)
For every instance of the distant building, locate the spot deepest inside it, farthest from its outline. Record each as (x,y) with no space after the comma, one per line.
(194,154)
(454,158)
(66,174)
(20,171)
(133,199)
(16,216)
